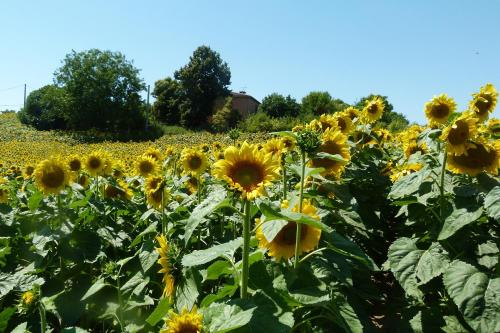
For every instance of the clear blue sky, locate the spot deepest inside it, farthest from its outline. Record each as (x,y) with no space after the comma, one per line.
(407,50)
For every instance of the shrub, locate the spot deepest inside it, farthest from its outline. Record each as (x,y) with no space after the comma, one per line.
(46,108)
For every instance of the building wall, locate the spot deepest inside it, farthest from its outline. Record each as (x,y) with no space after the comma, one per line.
(245,105)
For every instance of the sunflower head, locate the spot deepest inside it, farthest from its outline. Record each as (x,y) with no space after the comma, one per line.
(95,163)
(83,180)
(146,166)
(478,157)
(247,170)
(51,176)
(398,172)
(439,109)
(166,269)
(184,322)
(154,153)
(483,103)
(494,128)
(352,113)
(28,171)
(274,146)
(327,121)
(192,184)
(334,143)
(344,122)
(4,195)
(288,143)
(74,163)
(411,147)
(193,161)
(458,135)
(373,109)
(156,191)
(118,191)
(283,244)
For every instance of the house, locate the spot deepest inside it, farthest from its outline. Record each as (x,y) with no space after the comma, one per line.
(245,104)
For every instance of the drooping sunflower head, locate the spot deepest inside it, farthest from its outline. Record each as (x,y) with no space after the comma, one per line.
(373,110)
(74,163)
(494,128)
(478,157)
(28,171)
(166,270)
(83,180)
(51,175)
(327,121)
(459,134)
(4,195)
(439,109)
(344,122)
(283,244)
(154,153)
(274,146)
(184,322)
(398,172)
(193,161)
(146,166)
(288,143)
(247,170)
(333,142)
(118,191)
(216,145)
(95,163)
(352,113)
(411,147)
(484,102)
(156,191)
(192,184)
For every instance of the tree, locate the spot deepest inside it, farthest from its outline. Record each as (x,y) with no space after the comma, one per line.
(225,117)
(203,79)
(276,105)
(319,102)
(393,121)
(169,96)
(46,108)
(103,89)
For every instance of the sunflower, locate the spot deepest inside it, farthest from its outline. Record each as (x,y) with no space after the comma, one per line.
(118,191)
(283,244)
(484,102)
(334,143)
(274,146)
(439,109)
(327,121)
(352,113)
(51,175)
(373,109)
(95,163)
(288,143)
(83,180)
(193,161)
(192,184)
(154,153)
(27,298)
(74,163)
(247,170)
(28,171)
(168,278)
(146,166)
(410,147)
(184,322)
(399,172)
(4,195)
(494,128)
(480,156)
(458,135)
(156,191)
(344,122)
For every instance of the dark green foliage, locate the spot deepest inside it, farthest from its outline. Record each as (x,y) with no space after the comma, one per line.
(261,122)
(276,105)
(225,117)
(393,121)
(46,108)
(203,79)
(319,102)
(103,89)
(169,96)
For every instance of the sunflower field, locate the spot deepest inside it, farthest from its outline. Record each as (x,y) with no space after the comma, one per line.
(335,226)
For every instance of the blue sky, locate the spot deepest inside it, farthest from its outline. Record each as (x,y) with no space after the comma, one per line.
(407,50)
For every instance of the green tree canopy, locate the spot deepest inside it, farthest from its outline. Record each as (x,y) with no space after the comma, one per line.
(46,108)
(103,88)
(393,121)
(319,102)
(276,105)
(169,96)
(203,79)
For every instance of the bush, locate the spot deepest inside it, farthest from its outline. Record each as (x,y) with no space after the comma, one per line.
(276,105)
(46,108)
(261,122)
(225,117)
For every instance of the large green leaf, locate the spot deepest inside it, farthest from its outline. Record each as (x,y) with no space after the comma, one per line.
(98,285)
(432,263)
(492,203)
(201,257)
(403,257)
(215,198)
(187,291)
(476,295)
(159,312)
(225,318)
(287,215)
(459,218)
(5,317)
(408,185)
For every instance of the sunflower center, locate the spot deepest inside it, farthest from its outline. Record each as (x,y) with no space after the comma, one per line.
(54,177)
(459,133)
(194,162)
(373,108)
(342,124)
(483,104)
(146,167)
(247,174)
(477,157)
(29,170)
(287,234)
(75,165)
(94,163)
(440,111)
(187,327)
(331,148)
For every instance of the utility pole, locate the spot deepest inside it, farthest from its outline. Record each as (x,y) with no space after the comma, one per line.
(24,104)
(147,110)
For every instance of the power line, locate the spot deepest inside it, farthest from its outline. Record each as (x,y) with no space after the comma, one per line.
(14,87)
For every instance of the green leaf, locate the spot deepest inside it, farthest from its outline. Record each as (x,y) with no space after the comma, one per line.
(147,256)
(492,203)
(201,257)
(5,317)
(5,250)
(159,312)
(206,207)
(475,294)
(218,268)
(271,228)
(35,200)
(225,318)
(297,169)
(408,185)
(21,328)
(458,219)
(432,263)
(487,254)
(187,291)
(149,230)
(335,157)
(73,330)
(98,285)
(403,257)
(287,215)
(226,291)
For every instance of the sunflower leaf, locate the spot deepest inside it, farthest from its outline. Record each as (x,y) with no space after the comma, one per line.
(201,257)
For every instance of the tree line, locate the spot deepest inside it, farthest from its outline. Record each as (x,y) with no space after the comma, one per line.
(101,90)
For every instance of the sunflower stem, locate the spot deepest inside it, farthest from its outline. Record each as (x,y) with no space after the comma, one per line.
(301,197)
(163,222)
(43,318)
(441,185)
(199,189)
(284,181)
(246,251)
